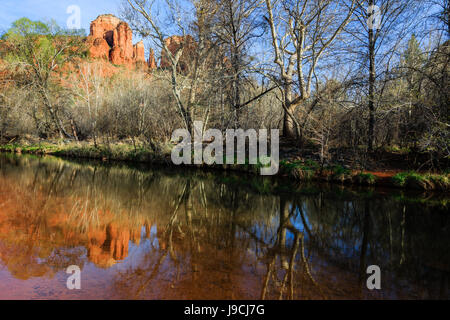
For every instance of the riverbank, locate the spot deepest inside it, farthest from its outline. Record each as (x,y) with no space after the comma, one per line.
(298,169)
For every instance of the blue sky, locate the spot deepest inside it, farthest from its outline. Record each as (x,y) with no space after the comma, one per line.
(11,10)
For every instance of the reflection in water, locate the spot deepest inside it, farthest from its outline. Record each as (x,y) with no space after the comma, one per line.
(158,234)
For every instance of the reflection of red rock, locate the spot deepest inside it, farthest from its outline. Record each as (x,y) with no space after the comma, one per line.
(173,44)
(22,261)
(118,241)
(32,241)
(110,244)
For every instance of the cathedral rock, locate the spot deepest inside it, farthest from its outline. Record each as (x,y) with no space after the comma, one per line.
(112,39)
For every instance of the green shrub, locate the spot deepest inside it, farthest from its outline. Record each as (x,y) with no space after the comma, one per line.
(421,181)
(400,179)
(312,164)
(300,170)
(341,174)
(417,181)
(441,182)
(366,178)
(340,170)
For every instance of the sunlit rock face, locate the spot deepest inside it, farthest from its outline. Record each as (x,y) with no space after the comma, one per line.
(99,48)
(104,26)
(151,60)
(112,39)
(139,52)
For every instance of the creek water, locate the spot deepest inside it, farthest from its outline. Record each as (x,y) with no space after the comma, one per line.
(155,233)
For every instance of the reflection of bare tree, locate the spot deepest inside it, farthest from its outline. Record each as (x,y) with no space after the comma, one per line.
(287,256)
(364,247)
(144,276)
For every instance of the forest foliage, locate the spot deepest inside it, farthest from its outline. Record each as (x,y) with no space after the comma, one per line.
(313,69)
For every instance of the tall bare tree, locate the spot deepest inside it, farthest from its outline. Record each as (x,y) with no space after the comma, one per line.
(238,23)
(141,16)
(37,52)
(301,34)
(379,27)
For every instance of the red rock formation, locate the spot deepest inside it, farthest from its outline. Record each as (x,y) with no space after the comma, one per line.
(139,53)
(103,25)
(151,60)
(122,51)
(99,48)
(112,39)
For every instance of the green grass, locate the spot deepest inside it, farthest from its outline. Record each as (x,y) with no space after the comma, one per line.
(397,149)
(365,178)
(33,149)
(441,182)
(115,152)
(426,181)
(300,170)
(340,174)
(339,170)
(400,179)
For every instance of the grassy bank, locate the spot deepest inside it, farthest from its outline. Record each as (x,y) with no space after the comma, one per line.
(309,170)
(299,170)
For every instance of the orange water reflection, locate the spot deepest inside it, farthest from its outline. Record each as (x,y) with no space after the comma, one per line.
(153,234)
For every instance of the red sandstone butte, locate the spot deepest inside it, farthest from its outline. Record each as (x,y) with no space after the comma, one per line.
(112,39)
(151,60)
(139,52)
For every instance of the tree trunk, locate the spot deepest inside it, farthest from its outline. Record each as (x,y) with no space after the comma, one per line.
(371,86)
(56,121)
(289,125)
(289,130)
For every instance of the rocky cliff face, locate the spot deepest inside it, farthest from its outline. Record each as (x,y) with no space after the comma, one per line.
(152,60)
(112,39)
(139,52)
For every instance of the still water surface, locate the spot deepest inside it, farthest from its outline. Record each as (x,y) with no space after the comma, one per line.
(142,233)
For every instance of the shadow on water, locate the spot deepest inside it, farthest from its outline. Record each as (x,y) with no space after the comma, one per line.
(154,233)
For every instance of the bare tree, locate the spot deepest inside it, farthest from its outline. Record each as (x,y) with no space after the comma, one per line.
(238,23)
(37,51)
(379,27)
(301,33)
(140,14)
(89,88)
